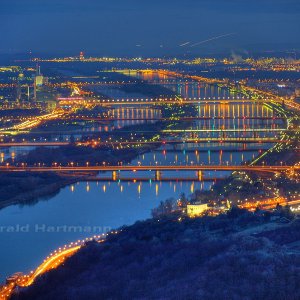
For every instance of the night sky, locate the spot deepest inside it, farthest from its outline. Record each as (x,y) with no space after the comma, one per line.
(142,27)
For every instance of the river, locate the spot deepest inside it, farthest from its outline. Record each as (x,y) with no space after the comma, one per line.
(29,233)
(104,205)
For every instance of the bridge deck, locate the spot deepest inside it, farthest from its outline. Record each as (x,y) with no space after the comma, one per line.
(273,169)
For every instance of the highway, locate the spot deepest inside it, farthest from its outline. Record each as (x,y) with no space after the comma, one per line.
(55,259)
(50,263)
(33,122)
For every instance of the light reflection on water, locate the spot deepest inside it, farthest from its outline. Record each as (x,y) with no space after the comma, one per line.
(102,204)
(113,204)
(185,157)
(105,204)
(109,204)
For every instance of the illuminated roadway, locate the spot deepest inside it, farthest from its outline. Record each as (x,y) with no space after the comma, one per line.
(240,130)
(54,260)
(146,101)
(173,119)
(34,122)
(49,264)
(73,168)
(109,143)
(251,130)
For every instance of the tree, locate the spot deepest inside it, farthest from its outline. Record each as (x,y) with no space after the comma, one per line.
(183,200)
(164,208)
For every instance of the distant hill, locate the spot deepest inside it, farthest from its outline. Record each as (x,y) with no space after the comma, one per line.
(240,255)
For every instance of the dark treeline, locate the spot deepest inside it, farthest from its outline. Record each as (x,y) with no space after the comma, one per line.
(25,188)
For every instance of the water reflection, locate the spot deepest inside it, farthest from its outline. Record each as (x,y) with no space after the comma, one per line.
(113,204)
(102,205)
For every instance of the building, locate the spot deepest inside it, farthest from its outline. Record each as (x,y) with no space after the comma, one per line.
(195,210)
(22,89)
(39,80)
(19,86)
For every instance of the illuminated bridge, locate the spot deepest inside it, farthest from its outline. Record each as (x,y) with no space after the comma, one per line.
(158,169)
(97,119)
(157,101)
(240,140)
(241,130)
(221,131)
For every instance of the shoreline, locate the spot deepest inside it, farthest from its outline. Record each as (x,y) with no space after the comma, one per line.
(37,195)
(110,155)
(48,189)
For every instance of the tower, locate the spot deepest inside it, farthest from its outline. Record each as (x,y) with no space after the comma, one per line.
(38,81)
(81,56)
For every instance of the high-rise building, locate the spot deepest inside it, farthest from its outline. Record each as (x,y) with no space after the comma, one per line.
(81,56)
(39,80)
(20,80)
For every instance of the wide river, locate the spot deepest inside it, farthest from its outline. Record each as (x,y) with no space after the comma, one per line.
(103,205)
(29,233)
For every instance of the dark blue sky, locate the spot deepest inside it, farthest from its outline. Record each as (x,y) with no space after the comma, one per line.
(116,27)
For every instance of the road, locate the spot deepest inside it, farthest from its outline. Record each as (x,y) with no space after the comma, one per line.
(109,143)
(183,119)
(55,259)
(148,101)
(73,168)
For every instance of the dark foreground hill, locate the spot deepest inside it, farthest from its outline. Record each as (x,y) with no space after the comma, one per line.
(235,256)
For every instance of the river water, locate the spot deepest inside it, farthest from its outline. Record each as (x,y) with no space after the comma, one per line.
(105,205)
(29,233)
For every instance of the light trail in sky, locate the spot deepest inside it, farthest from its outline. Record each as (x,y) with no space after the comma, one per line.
(212,39)
(184,44)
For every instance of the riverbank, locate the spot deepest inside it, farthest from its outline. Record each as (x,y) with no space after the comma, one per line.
(236,255)
(27,188)
(32,187)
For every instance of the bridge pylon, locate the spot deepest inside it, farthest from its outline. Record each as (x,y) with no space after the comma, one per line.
(157,175)
(200,175)
(115,175)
